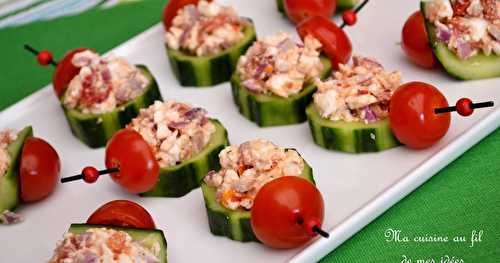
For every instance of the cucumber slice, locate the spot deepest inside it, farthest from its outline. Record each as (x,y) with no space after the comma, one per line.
(179,180)
(353,137)
(207,71)
(479,66)
(96,129)
(9,183)
(341,5)
(234,224)
(271,110)
(147,237)
(281,6)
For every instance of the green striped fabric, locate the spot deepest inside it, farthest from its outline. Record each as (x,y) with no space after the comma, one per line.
(19,12)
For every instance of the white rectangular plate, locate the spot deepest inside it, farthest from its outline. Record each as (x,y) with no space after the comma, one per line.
(356,188)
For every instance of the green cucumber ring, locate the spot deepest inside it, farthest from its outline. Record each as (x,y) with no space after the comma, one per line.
(9,183)
(177,181)
(271,110)
(194,71)
(234,224)
(352,137)
(95,130)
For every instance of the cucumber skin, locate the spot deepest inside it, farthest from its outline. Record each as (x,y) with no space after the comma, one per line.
(281,6)
(193,71)
(234,224)
(341,5)
(350,137)
(271,110)
(95,130)
(478,67)
(156,234)
(9,183)
(179,180)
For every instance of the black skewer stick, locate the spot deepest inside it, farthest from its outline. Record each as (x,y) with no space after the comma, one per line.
(36,52)
(320,232)
(80,176)
(356,10)
(315,228)
(473,106)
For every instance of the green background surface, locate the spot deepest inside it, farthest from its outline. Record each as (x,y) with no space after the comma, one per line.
(461,198)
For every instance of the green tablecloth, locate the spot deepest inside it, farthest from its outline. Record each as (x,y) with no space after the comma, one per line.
(460,199)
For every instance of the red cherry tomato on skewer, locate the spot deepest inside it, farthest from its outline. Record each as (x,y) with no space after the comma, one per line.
(299,10)
(132,155)
(65,72)
(412,116)
(122,213)
(285,211)
(39,170)
(336,43)
(415,42)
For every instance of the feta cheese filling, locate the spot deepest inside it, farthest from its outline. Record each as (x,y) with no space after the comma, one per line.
(248,167)
(356,93)
(278,65)
(103,84)
(205,29)
(175,131)
(467,27)
(9,218)
(6,138)
(103,245)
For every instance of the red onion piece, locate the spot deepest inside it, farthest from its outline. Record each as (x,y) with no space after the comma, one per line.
(370,116)
(9,218)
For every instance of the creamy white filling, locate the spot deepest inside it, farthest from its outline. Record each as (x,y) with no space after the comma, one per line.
(6,138)
(103,245)
(360,92)
(175,131)
(279,66)
(103,83)
(248,167)
(205,29)
(468,32)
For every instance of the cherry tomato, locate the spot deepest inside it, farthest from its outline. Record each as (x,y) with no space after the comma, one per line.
(412,116)
(285,211)
(129,152)
(299,10)
(415,42)
(122,213)
(171,9)
(336,43)
(39,170)
(65,72)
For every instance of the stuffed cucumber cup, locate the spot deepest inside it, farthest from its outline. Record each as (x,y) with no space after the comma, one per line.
(466,43)
(106,94)
(341,5)
(205,41)
(350,111)
(185,143)
(273,82)
(102,243)
(11,145)
(229,193)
